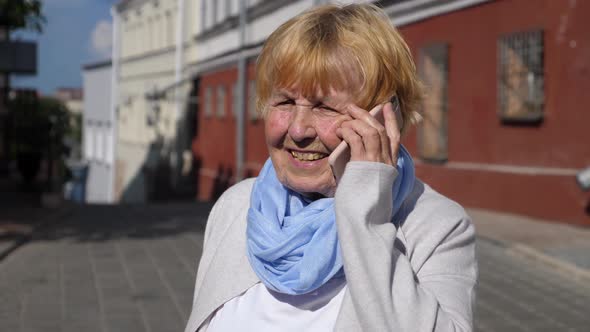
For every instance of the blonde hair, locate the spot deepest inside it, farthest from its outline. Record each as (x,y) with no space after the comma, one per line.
(321,47)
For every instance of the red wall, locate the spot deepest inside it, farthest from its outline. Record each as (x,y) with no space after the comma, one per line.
(215,144)
(475,133)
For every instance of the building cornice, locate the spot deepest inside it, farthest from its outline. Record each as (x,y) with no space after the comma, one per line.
(125,5)
(224,59)
(401,12)
(408,12)
(262,8)
(154,53)
(96,65)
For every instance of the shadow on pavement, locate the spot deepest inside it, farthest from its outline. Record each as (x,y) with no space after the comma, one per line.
(96,223)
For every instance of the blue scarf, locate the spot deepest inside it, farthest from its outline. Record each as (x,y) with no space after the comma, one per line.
(292,241)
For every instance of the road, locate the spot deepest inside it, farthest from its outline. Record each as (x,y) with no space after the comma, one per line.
(131,268)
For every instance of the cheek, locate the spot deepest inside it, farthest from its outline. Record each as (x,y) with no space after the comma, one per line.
(276,125)
(327,132)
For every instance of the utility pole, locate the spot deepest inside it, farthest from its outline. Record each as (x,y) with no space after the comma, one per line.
(114,119)
(241,105)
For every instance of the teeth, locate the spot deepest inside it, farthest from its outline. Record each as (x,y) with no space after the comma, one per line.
(308,156)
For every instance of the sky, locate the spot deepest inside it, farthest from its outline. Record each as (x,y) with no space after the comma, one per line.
(77,32)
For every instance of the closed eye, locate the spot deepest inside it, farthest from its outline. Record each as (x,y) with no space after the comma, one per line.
(285,102)
(326,108)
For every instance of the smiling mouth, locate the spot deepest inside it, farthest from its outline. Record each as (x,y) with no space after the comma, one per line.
(308,156)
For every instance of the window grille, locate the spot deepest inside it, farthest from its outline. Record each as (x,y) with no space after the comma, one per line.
(432,131)
(521,81)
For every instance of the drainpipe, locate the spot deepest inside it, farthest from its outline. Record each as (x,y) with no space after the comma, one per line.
(240,132)
(113,119)
(176,151)
(179,56)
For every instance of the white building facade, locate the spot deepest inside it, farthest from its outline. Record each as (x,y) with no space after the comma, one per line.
(98,128)
(152,42)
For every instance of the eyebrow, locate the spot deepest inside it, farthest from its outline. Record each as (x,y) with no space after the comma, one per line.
(324,100)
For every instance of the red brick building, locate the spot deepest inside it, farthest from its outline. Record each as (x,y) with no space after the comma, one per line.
(505,127)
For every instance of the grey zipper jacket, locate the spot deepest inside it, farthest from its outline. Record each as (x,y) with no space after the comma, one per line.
(416,274)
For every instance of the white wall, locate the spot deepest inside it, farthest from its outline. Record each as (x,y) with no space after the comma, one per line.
(97,134)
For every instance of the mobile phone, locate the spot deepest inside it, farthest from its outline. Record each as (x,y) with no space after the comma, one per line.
(341,155)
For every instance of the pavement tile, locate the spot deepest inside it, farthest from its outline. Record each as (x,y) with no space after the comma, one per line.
(133,268)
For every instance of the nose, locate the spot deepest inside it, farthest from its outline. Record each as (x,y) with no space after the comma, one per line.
(302,124)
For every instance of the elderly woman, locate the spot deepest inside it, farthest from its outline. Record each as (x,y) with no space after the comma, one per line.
(297,249)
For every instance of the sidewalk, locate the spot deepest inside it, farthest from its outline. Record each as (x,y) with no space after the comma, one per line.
(17,224)
(21,212)
(565,247)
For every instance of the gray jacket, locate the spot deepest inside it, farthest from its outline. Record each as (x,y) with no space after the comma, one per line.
(416,274)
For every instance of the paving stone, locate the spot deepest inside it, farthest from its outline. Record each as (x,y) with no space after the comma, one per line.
(110,269)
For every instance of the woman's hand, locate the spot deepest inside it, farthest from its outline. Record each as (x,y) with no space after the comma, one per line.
(368,139)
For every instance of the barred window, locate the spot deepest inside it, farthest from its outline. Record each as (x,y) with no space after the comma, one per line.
(220,101)
(252,100)
(208,102)
(432,131)
(521,81)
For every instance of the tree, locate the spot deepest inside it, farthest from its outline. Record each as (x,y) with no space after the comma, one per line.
(21,14)
(39,126)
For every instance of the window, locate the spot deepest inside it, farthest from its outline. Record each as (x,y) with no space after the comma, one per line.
(228,11)
(208,102)
(520,77)
(432,131)
(89,151)
(252,100)
(203,15)
(235,99)
(169,29)
(109,146)
(213,12)
(235,7)
(220,101)
(220,11)
(150,26)
(99,145)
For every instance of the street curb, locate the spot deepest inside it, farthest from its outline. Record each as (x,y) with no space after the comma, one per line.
(21,240)
(519,249)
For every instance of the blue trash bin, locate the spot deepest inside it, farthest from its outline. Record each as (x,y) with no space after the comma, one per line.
(79,177)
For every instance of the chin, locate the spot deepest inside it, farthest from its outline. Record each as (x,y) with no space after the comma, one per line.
(308,187)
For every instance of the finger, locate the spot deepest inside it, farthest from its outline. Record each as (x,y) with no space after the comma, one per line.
(357,148)
(358,113)
(393,131)
(371,138)
(366,117)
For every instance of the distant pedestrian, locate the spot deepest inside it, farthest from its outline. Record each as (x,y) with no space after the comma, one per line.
(302,248)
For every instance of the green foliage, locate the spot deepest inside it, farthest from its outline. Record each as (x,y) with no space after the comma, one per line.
(39,128)
(22,14)
(39,124)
